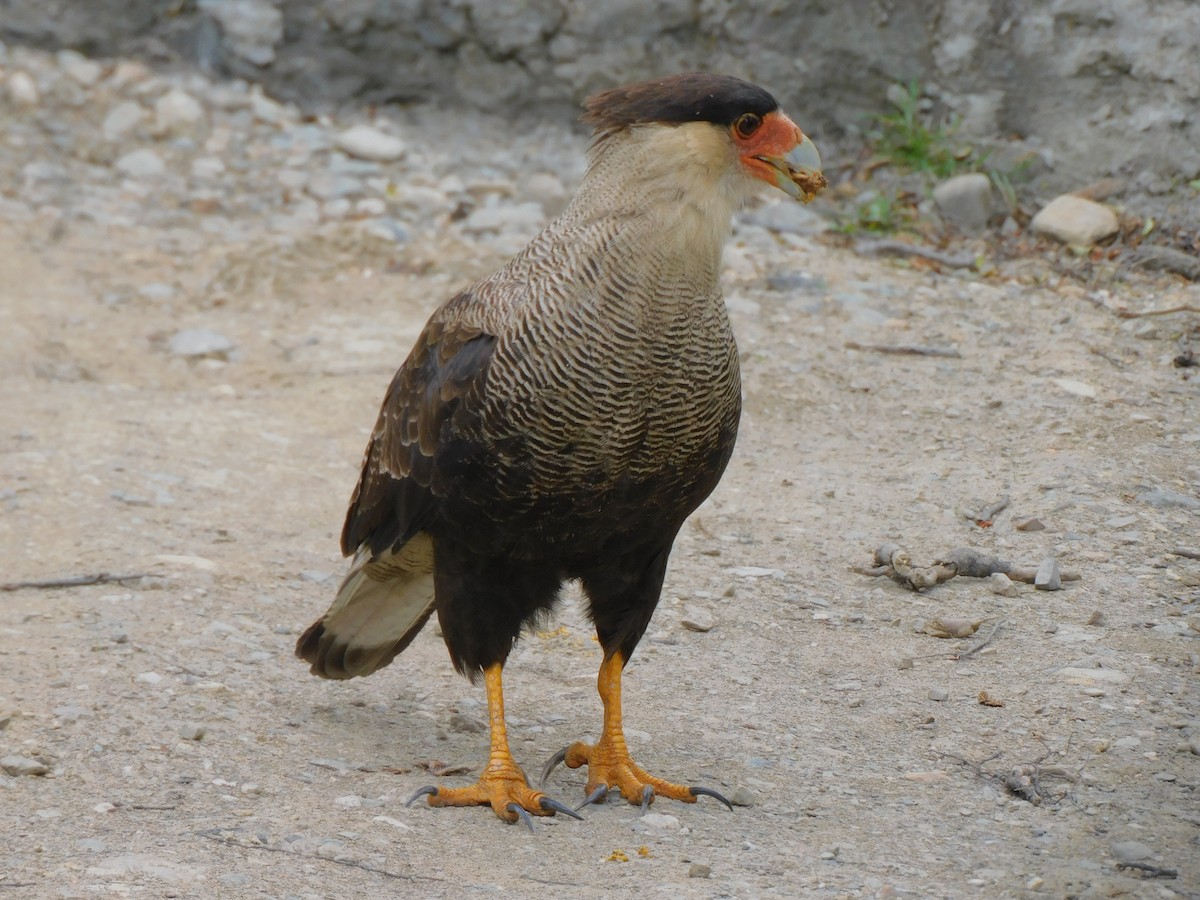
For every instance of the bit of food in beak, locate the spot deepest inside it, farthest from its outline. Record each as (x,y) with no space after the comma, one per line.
(798,174)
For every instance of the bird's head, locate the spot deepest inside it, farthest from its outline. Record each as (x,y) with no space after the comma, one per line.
(694,130)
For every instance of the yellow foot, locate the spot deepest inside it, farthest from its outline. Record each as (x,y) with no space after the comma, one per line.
(504,789)
(610,766)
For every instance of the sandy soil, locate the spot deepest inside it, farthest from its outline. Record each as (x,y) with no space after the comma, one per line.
(189,754)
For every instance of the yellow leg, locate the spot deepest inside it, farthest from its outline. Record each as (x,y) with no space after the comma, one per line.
(502,785)
(608,760)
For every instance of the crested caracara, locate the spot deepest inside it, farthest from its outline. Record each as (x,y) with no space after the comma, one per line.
(560,419)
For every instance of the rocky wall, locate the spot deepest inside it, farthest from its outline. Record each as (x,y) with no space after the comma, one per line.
(1102,86)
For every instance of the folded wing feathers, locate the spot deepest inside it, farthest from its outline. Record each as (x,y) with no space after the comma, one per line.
(381,606)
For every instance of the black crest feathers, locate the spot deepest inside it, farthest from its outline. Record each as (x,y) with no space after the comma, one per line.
(691,97)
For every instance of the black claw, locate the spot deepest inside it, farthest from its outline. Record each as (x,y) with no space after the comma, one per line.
(594,797)
(647,796)
(558,807)
(428,789)
(524,814)
(709,792)
(552,765)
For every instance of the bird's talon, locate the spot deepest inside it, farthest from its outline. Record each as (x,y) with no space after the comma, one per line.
(709,792)
(549,803)
(552,764)
(647,797)
(595,796)
(523,815)
(429,789)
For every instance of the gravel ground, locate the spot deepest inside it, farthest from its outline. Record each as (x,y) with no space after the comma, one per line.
(201,301)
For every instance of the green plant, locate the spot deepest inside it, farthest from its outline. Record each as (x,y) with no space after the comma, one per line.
(882,211)
(905,139)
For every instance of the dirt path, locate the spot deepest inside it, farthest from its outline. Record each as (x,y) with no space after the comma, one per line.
(188,754)
(225,482)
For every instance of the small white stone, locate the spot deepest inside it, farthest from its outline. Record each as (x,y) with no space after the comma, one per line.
(1092,676)
(1078,388)
(141,163)
(192,731)
(696,619)
(23,766)
(1074,220)
(370,207)
(79,67)
(367,142)
(199,342)
(22,89)
(965,200)
(121,119)
(177,111)
(149,678)
(350,801)
(1002,585)
(660,822)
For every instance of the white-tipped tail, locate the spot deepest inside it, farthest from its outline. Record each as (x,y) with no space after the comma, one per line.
(381,606)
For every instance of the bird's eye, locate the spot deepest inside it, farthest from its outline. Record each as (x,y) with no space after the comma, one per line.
(747,124)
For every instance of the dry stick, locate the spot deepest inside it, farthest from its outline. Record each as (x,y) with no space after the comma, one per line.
(1186,554)
(987,640)
(903,248)
(75,581)
(905,349)
(401,876)
(1123,313)
(1151,870)
(988,513)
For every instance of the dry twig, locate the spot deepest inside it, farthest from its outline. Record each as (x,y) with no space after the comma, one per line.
(904,248)
(74,581)
(894,562)
(401,876)
(1149,868)
(905,349)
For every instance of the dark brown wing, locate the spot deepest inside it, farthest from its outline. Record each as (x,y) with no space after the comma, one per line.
(437,391)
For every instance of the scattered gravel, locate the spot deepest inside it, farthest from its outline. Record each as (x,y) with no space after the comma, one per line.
(204,294)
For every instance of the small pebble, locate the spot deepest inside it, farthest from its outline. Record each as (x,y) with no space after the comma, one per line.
(696,619)
(1048,577)
(742,796)
(366,142)
(192,731)
(23,766)
(1001,585)
(1096,618)
(937,695)
(1032,523)
(699,870)
(194,343)
(1131,851)
(141,163)
(660,821)
(22,89)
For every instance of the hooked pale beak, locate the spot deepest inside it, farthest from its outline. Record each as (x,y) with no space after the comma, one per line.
(798,174)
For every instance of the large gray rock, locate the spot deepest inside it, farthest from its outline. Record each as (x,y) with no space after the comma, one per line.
(965,200)
(1049,69)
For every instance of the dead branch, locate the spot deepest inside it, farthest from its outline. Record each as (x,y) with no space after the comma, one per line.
(1123,313)
(1168,259)
(1149,868)
(74,581)
(1186,554)
(894,562)
(984,517)
(401,876)
(905,349)
(967,654)
(904,248)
